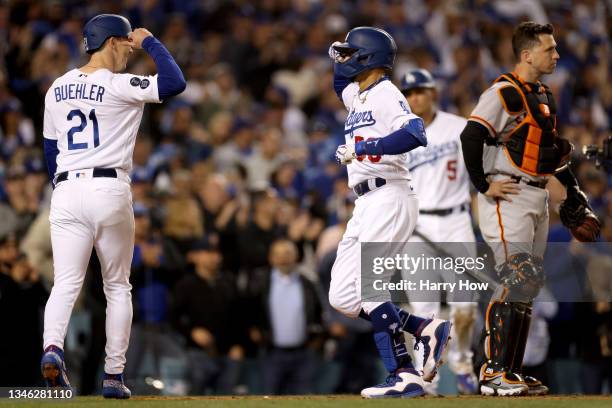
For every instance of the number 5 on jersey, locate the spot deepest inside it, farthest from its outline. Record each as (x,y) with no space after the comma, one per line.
(451,166)
(373,159)
(79,128)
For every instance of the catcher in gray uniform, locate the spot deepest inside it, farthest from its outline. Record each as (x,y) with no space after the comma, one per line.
(511,148)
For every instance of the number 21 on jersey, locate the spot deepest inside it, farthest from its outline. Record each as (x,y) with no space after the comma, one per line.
(76,113)
(373,159)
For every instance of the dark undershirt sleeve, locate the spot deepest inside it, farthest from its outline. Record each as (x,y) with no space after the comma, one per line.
(472,143)
(567,178)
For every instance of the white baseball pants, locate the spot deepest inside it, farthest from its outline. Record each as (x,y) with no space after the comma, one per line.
(386,214)
(440,229)
(91,213)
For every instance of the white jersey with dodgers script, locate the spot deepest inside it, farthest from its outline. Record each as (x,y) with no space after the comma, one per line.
(95,117)
(373,113)
(438,171)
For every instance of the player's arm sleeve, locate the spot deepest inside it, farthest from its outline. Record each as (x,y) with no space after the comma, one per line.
(50,143)
(472,144)
(51,152)
(405,139)
(409,135)
(567,178)
(170,79)
(340,82)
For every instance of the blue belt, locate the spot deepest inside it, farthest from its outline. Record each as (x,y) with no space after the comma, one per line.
(97,172)
(363,187)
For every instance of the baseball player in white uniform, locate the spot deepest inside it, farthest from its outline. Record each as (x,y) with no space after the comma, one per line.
(442,184)
(92,115)
(379,130)
(511,147)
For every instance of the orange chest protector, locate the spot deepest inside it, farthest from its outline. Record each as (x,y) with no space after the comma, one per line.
(534,146)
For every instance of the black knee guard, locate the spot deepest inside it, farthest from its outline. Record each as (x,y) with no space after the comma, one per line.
(523,276)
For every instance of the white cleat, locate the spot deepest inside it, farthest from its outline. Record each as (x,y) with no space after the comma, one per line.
(503,384)
(434,337)
(402,384)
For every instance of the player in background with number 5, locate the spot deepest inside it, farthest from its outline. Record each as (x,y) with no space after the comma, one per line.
(443,186)
(92,116)
(379,131)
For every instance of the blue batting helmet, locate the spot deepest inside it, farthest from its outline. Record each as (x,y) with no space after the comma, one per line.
(102,26)
(418,78)
(369,48)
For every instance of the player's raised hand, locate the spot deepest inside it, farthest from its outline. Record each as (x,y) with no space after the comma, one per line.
(137,37)
(345,153)
(333,54)
(336,55)
(502,189)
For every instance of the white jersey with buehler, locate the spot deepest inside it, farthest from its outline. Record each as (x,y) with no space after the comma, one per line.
(492,114)
(438,171)
(375,113)
(95,117)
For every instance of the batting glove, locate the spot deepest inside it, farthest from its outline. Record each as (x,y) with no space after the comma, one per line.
(335,55)
(345,154)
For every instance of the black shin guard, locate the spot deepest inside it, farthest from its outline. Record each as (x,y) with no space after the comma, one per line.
(509,313)
(503,323)
(521,342)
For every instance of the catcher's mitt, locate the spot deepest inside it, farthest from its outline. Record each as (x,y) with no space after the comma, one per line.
(577,215)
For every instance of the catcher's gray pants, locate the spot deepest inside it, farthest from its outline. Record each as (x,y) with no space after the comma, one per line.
(517,226)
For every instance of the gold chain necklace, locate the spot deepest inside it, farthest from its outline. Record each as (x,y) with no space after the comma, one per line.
(366,91)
